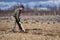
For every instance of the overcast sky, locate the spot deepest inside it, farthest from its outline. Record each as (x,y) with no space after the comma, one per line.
(8,3)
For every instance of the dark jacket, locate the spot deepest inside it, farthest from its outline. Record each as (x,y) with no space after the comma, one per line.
(17,13)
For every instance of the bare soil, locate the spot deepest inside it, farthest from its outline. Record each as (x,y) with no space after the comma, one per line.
(35,30)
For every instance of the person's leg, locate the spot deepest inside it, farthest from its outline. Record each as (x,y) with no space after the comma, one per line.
(13,27)
(20,27)
(14,24)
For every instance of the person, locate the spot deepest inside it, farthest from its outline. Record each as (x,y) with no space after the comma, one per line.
(16,19)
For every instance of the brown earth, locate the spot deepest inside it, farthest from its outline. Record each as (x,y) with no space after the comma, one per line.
(35,30)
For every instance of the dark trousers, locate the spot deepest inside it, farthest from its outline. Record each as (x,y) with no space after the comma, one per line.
(19,25)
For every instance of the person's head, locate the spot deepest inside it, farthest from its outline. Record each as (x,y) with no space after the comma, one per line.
(21,8)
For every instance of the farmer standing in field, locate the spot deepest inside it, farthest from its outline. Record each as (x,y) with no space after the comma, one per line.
(16,19)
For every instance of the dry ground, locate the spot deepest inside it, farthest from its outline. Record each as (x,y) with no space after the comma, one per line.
(35,30)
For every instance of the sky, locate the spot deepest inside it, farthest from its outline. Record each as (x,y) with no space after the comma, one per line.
(4,4)
(23,1)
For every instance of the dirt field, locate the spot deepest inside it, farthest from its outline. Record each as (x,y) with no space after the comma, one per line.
(37,28)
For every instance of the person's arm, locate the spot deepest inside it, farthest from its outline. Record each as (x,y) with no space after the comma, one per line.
(15,13)
(19,13)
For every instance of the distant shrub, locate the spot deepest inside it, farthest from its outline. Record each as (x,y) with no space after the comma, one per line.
(36,21)
(25,19)
(33,22)
(48,22)
(53,22)
(26,22)
(7,21)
